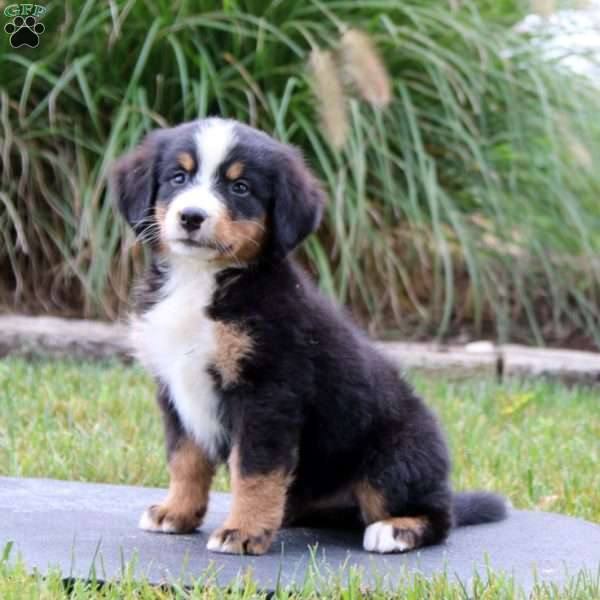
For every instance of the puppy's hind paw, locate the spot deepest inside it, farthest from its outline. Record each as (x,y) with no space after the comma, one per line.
(394,535)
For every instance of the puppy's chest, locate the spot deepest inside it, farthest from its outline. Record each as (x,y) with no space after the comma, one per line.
(178,343)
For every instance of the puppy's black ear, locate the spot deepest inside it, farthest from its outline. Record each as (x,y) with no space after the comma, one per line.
(133,182)
(298,203)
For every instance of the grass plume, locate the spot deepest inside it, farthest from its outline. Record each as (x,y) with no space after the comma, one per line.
(364,68)
(329,92)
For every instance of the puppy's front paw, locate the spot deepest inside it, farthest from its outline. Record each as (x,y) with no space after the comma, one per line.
(240,541)
(165,518)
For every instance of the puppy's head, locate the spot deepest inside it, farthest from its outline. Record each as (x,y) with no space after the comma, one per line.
(218,191)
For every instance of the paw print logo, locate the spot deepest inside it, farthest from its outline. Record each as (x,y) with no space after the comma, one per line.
(24,32)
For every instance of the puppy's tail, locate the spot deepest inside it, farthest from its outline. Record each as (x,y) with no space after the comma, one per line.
(473,508)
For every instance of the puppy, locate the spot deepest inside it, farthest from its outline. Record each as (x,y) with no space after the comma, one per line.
(255,367)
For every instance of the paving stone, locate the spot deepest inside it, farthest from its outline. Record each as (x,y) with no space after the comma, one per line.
(76,525)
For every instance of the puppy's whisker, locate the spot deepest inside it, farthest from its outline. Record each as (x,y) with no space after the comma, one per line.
(148,237)
(252,222)
(249,239)
(224,249)
(149,234)
(149,220)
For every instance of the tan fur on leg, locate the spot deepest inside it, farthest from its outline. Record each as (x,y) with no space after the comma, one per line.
(185,505)
(371,502)
(256,514)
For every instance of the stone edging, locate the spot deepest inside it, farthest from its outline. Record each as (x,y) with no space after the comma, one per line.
(27,336)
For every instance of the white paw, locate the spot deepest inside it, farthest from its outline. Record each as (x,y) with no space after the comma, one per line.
(239,541)
(215,544)
(147,523)
(379,537)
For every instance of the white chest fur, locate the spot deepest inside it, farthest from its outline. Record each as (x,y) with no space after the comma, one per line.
(175,340)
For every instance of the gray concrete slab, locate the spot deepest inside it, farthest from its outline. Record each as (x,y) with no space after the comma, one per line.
(76,525)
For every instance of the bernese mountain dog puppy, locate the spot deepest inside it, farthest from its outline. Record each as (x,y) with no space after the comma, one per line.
(255,367)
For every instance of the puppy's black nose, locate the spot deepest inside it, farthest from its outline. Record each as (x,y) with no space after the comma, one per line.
(191,218)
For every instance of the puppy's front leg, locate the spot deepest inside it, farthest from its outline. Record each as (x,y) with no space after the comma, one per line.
(257,510)
(191,472)
(184,507)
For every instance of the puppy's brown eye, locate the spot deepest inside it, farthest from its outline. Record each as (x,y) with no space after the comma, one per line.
(240,188)
(179,178)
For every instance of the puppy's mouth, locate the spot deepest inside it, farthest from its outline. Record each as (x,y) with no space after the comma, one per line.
(190,242)
(208,244)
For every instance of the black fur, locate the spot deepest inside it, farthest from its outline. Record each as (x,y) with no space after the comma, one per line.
(477,507)
(134,183)
(341,411)
(315,398)
(299,205)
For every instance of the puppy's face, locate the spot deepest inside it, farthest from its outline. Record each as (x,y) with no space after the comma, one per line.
(217,191)
(212,194)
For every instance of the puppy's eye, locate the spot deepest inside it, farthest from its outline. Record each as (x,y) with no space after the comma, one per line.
(179,178)
(240,188)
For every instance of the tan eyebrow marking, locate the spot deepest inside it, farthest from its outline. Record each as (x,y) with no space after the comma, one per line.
(235,170)
(186,160)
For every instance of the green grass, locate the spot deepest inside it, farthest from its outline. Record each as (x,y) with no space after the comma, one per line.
(17,583)
(469,203)
(534,442)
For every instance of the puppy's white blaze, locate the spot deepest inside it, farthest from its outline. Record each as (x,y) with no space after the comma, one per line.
(175,340)
(214,140)
(379,537)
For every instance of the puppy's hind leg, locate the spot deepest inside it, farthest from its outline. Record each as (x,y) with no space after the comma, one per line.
(393,526)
